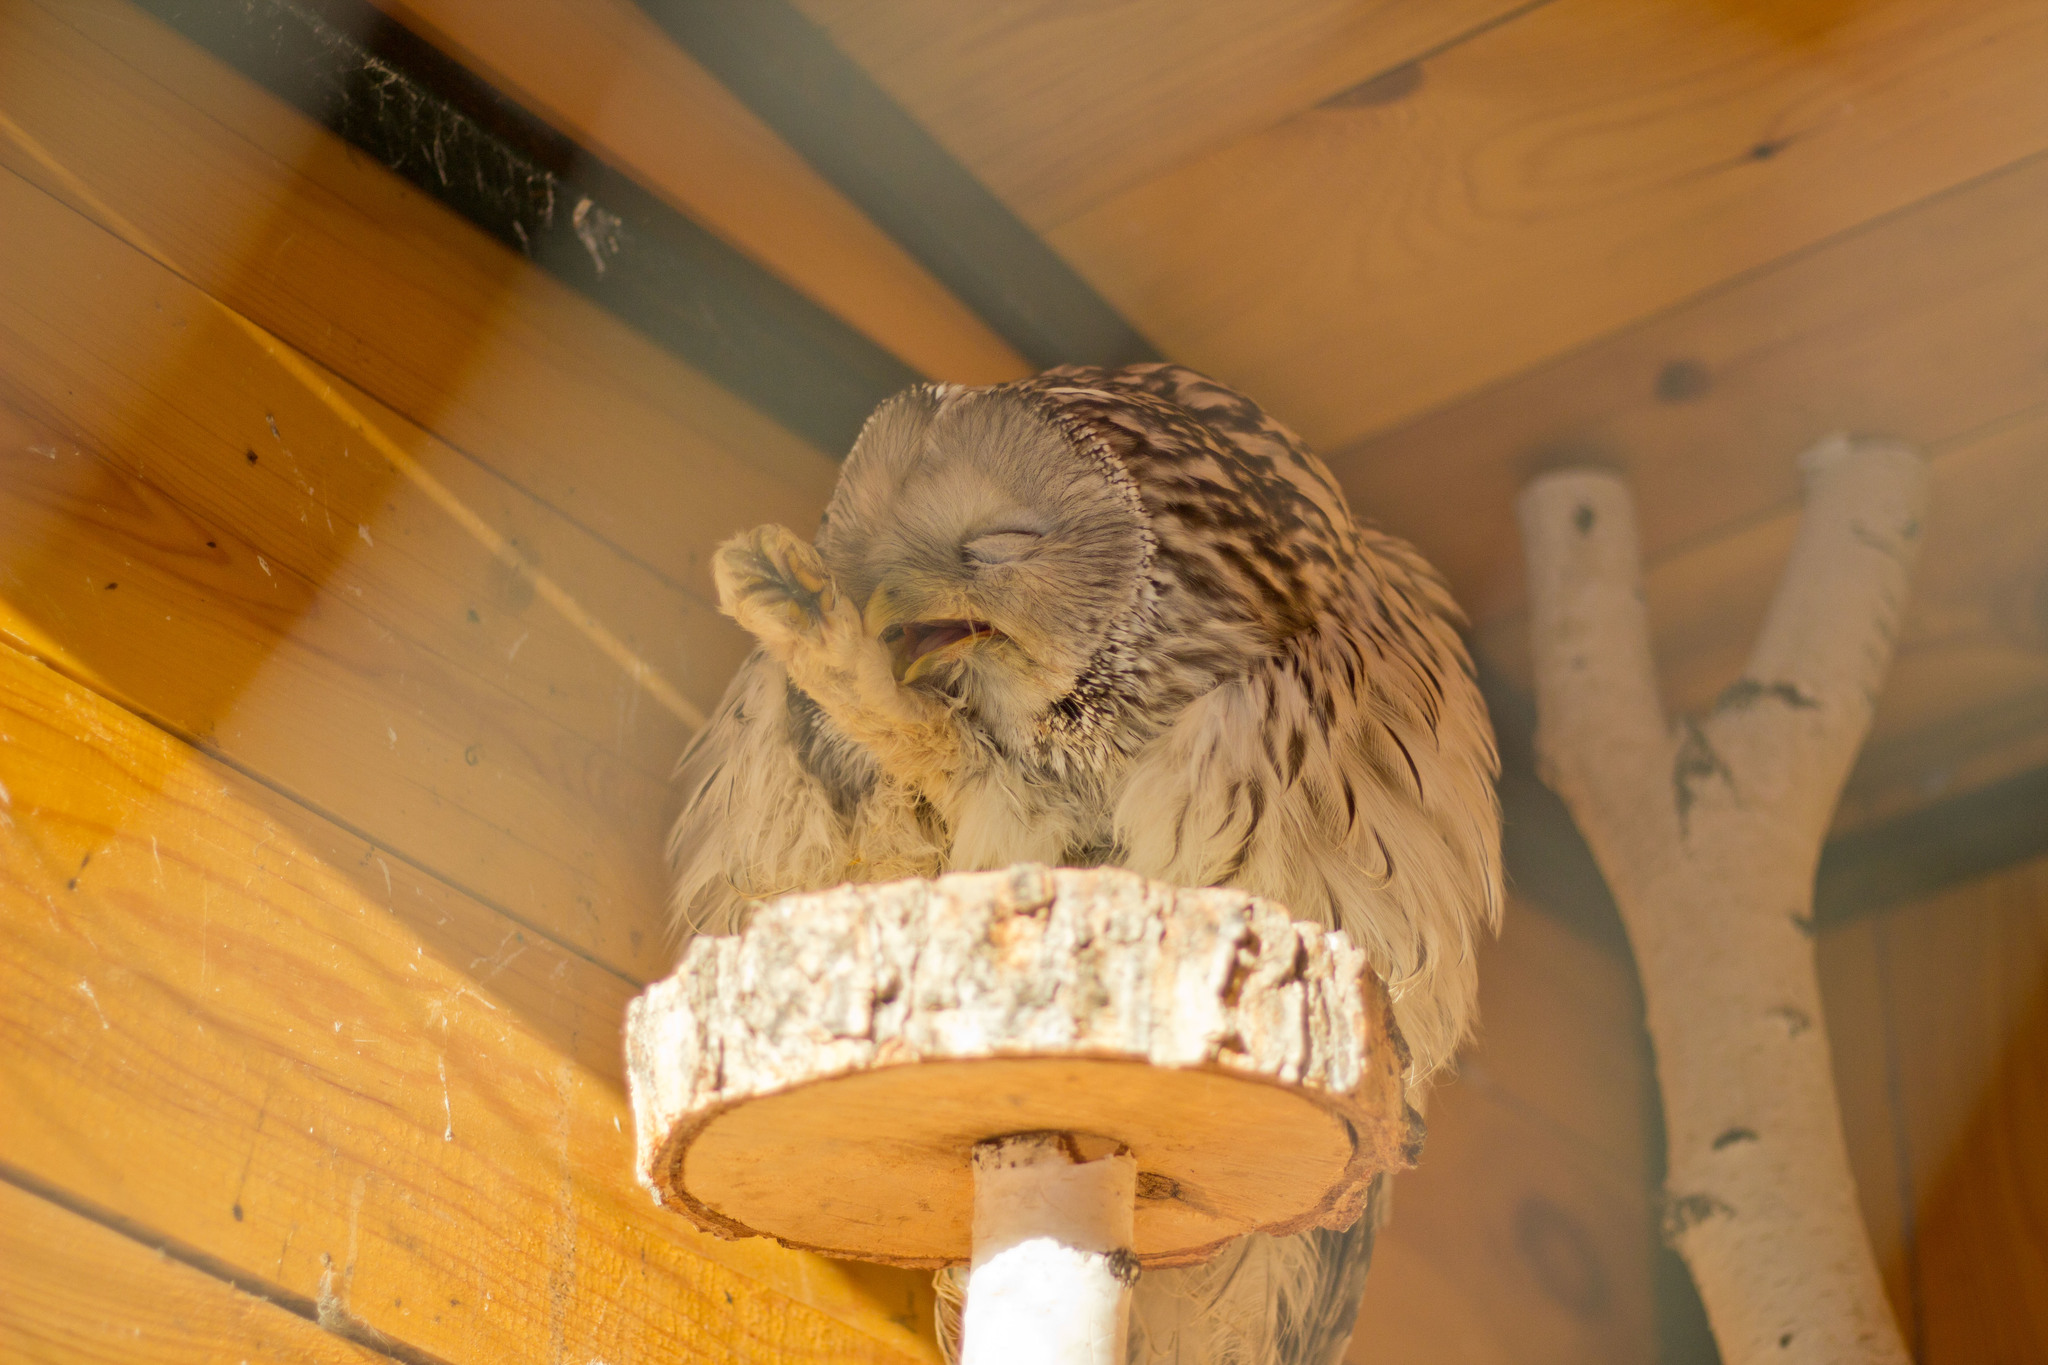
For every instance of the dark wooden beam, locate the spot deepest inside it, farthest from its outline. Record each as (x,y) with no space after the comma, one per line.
(402,102)
(789,72)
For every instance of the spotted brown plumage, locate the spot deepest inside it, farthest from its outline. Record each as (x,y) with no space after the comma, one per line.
(1115,616)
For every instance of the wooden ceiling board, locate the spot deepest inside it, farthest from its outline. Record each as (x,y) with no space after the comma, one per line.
(1057,104)
(1579,168)
(189,529)
(288,225)
(1926,325)
(602,73)
(1966,701)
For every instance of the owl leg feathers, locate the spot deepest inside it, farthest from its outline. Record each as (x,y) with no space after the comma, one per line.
(772,582)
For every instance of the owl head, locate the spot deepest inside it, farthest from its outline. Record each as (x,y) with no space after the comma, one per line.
(988,547)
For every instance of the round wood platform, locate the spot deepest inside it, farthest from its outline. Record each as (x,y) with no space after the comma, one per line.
(823,1077)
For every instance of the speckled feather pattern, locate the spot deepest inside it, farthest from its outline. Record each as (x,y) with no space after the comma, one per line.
(1264,694)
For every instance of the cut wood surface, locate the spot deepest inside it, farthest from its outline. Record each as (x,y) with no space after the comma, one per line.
(1566,172)
(1057,105)
(603,73)
(1940,1011)
(283,595)
(73,1292)
(823,1076)
(201,971)
(289,226)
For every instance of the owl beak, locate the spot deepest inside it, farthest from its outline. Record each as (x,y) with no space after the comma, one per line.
(916,646)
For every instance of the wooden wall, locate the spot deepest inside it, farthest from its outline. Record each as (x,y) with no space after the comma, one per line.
(353,608)
(1526,1236)
(333,774)
(1938,1016)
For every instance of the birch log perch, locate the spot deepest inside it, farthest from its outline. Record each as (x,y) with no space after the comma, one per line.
(1709,833)
(1055,1076)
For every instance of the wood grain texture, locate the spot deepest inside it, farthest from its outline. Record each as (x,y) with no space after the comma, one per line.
(604,74)
(1561,1038)
(1966,700)
(1563,174)
(73,1292)
(1057,105)
(1512,1243)
(1525,1233)
(284,223)
(300,608)
(222,1022)
(1851,961)
(869,1036)
(1947,999)
(1967,984)
(1923,325)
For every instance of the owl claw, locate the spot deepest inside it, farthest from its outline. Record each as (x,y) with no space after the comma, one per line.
(773,574)
(773,583)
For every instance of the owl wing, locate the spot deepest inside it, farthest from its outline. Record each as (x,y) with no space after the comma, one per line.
(776,799)
(1349,776)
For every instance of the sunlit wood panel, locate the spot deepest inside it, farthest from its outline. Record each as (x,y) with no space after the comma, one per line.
(74,1293)
(230,1022)
(1578,168)
(190,530)
(286,224)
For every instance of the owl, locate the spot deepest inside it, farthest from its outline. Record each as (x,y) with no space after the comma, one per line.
(1115,617)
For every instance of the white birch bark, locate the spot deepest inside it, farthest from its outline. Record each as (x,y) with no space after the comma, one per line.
(1052,1268)
(1709,832)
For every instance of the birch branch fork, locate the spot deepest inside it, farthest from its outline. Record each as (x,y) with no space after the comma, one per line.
(1054,1076)
(1709,832)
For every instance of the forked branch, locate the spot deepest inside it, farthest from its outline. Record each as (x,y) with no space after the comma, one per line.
(1709,831)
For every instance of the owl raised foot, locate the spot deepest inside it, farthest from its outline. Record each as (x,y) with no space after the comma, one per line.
(773,583)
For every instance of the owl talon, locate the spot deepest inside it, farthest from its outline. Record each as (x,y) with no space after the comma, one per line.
(772,582)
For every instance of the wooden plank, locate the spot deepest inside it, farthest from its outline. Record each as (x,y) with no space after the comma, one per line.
(1967,989)
(1561,1037)
(1576,169)
(1525,1234)
(1851,962)
(1511,1243)
(606,76)
(73,1292)
(1966,701)
(1921,325)
(222,1022)
(1056,106)
(333,629)
(1938,1018)
(285,224)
